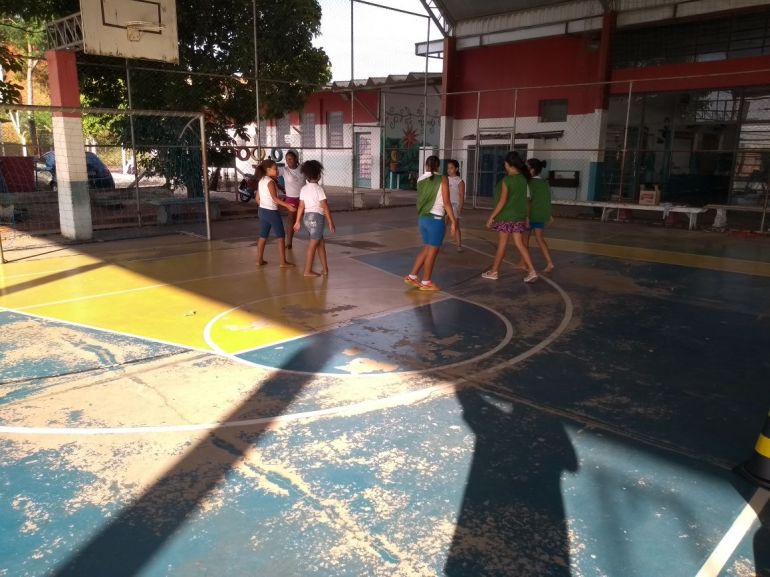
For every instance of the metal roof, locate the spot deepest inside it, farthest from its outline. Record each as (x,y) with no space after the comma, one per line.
(392,80)
(458,10)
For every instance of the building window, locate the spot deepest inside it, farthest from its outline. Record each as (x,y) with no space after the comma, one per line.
(308,130)
(553,110)
(283,131)
(720,38)
(334,124)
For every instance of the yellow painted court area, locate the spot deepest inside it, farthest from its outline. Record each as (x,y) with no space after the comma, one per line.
(211,296)
(201,295)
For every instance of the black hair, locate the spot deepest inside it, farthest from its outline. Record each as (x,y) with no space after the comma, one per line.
(293,153)
(432,163)
(513,159)
(262,168)
(536,166)
(312,169)
(455,163)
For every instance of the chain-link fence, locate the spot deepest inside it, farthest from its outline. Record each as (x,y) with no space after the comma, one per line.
(97,174)
(601,142)
(610,141)
(617,141)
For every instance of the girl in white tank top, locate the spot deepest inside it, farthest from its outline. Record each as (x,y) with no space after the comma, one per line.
(456,196)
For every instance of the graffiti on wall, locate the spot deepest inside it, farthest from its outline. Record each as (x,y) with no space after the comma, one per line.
(405,125)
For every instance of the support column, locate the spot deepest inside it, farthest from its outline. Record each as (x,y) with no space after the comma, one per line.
(447,105)
(69,145)
(604,74)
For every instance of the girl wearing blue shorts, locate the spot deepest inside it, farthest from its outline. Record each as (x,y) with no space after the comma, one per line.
(540,212)
(269,218)
(432,204)
(314,213)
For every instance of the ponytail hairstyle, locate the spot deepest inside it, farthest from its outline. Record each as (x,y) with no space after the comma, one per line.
(536,166)
(513,159)
(261,171)
(432,163)
(454,163)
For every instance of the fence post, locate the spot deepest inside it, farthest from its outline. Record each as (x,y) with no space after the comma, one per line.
(205,170)
(625,139)
(478,152)
(515,112)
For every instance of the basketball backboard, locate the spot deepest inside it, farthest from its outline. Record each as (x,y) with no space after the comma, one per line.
(144,29)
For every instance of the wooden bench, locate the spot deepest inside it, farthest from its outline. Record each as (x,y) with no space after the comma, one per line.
(608,207)
(720,218)
(175,208)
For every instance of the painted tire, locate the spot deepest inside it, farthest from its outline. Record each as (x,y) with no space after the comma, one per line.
(243,153)
(277,154)
(258,154)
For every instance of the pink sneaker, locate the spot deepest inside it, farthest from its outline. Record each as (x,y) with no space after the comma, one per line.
(415,282)
(428,286)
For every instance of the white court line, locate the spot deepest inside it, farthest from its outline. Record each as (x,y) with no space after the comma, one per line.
(503,342)
(363,407)
(131,290)
(737,532)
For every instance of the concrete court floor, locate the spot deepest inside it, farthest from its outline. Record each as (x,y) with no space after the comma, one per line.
(168,409)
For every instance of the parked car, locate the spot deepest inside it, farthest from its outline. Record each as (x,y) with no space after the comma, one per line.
(99,176)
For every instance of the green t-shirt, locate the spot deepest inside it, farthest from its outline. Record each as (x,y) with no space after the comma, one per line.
(515,209)
(427,190)
(541,200)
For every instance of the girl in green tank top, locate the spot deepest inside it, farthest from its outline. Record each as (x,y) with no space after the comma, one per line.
(541,209)
(510,216)
(432,206)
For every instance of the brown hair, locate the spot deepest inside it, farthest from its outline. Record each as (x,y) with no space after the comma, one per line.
(261,170)
(432,163)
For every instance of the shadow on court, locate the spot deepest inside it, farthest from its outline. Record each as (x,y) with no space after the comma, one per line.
(131,540)
(512,520)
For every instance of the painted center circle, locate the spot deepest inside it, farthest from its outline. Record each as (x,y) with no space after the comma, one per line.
(346,332)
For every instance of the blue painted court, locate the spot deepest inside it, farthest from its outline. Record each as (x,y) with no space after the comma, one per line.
(181,412)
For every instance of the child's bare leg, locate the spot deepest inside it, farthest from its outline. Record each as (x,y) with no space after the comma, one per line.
(518,240)
(310,258)
(282,253)
(431,254)
(521,264)
(290,219)
(261,251)
(458,236)
(322,257)
(502,241)
(419,261)
(540,238)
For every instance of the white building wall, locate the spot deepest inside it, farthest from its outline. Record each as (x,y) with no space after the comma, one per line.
(578,149)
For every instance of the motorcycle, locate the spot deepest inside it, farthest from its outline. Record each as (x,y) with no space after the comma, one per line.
(247,189)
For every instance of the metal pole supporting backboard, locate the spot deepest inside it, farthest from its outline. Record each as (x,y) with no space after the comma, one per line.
(133,145)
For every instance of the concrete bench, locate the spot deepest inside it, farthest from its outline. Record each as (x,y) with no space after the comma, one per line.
(692,212)
(175,208)
(720,218)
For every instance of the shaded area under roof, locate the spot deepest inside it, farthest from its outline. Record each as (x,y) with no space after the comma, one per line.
(544,135)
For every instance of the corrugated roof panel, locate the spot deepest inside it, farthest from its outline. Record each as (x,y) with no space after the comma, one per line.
(463,10)
(529,18)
